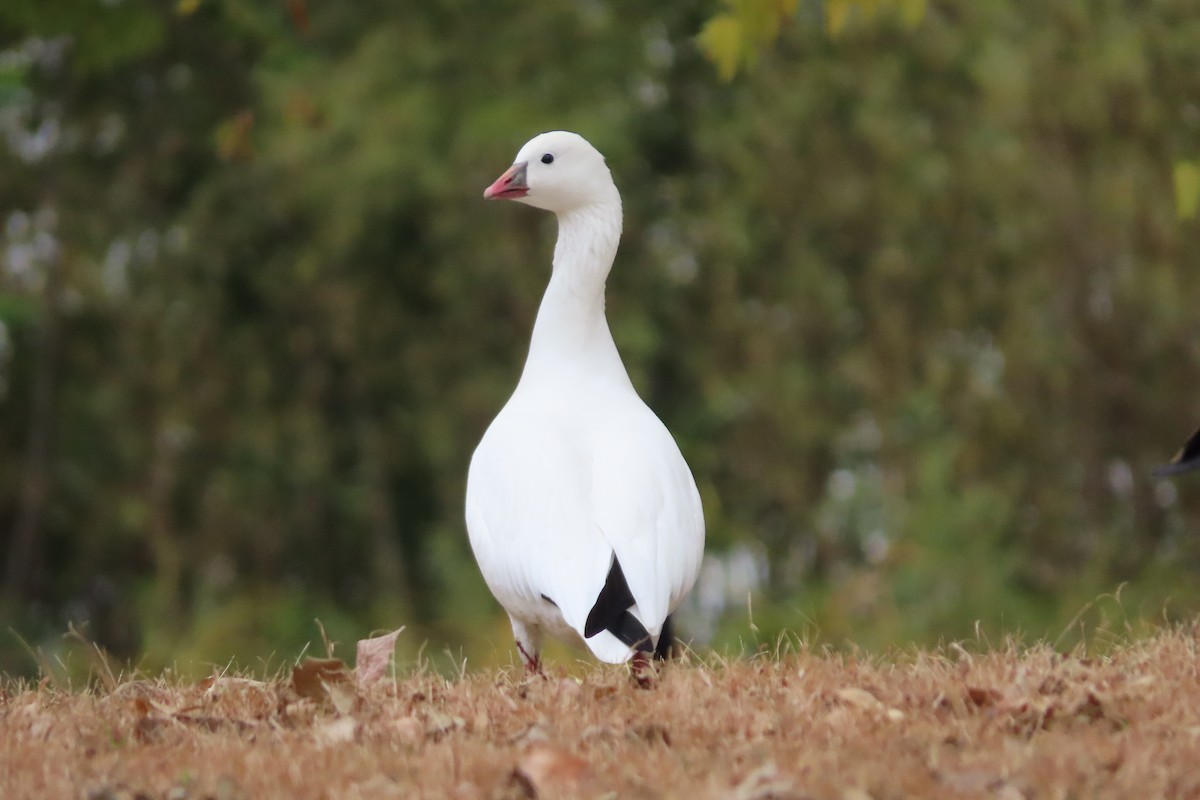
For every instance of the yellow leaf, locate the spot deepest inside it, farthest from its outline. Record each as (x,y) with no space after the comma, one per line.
(788,7)
(836,14)
(760,22)
(913,11)
(722,42)
(1187,188)
(187,7)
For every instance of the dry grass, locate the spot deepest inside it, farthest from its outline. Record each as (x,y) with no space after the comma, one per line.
(1010,724)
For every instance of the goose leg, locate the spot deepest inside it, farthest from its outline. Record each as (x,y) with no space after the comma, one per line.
(529,645)
(642,670)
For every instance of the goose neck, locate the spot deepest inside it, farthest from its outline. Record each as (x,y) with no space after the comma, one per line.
(571,326)
(587,244)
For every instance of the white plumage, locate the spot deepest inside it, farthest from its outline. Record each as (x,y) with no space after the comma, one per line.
(576,470)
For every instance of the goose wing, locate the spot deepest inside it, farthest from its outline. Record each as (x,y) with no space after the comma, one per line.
(646,507)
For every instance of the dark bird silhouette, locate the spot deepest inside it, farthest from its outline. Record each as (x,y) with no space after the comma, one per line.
(1186,460)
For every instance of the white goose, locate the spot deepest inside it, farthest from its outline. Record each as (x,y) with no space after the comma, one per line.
(581,511)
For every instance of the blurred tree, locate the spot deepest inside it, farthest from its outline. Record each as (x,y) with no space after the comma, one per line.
(916,302)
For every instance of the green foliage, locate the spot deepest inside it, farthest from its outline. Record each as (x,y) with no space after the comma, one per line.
(1187,188)
(918,305)
(12,84)
(838,13)
(102,38)
(270,624)
(16,311)
(734,38)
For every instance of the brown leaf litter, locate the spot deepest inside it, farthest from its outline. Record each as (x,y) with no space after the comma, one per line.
(1010,724)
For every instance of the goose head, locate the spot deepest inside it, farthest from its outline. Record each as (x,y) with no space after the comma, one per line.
(556,171)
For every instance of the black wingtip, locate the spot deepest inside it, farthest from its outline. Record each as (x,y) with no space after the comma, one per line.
(630,631)
(1186,460)
(1176,468)
(611,613)
(614,599)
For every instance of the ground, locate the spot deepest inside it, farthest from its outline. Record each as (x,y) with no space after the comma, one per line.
(1010,722)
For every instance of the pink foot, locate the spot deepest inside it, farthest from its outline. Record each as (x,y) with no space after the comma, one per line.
(642,670)
(533,664)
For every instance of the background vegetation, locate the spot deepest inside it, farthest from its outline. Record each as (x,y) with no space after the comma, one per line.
(910,283)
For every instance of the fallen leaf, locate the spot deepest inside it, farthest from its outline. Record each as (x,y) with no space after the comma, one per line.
(530,734)
(551,772)
(764,783)
(148,730)
(300,712)
(438,724)
(603,692)
(342,695)
(312,676)
(652,732)
(859,698)
(610,732)
(215,684)
(983,697)
(373,656)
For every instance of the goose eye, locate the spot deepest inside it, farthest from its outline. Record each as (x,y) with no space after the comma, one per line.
(548,159)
